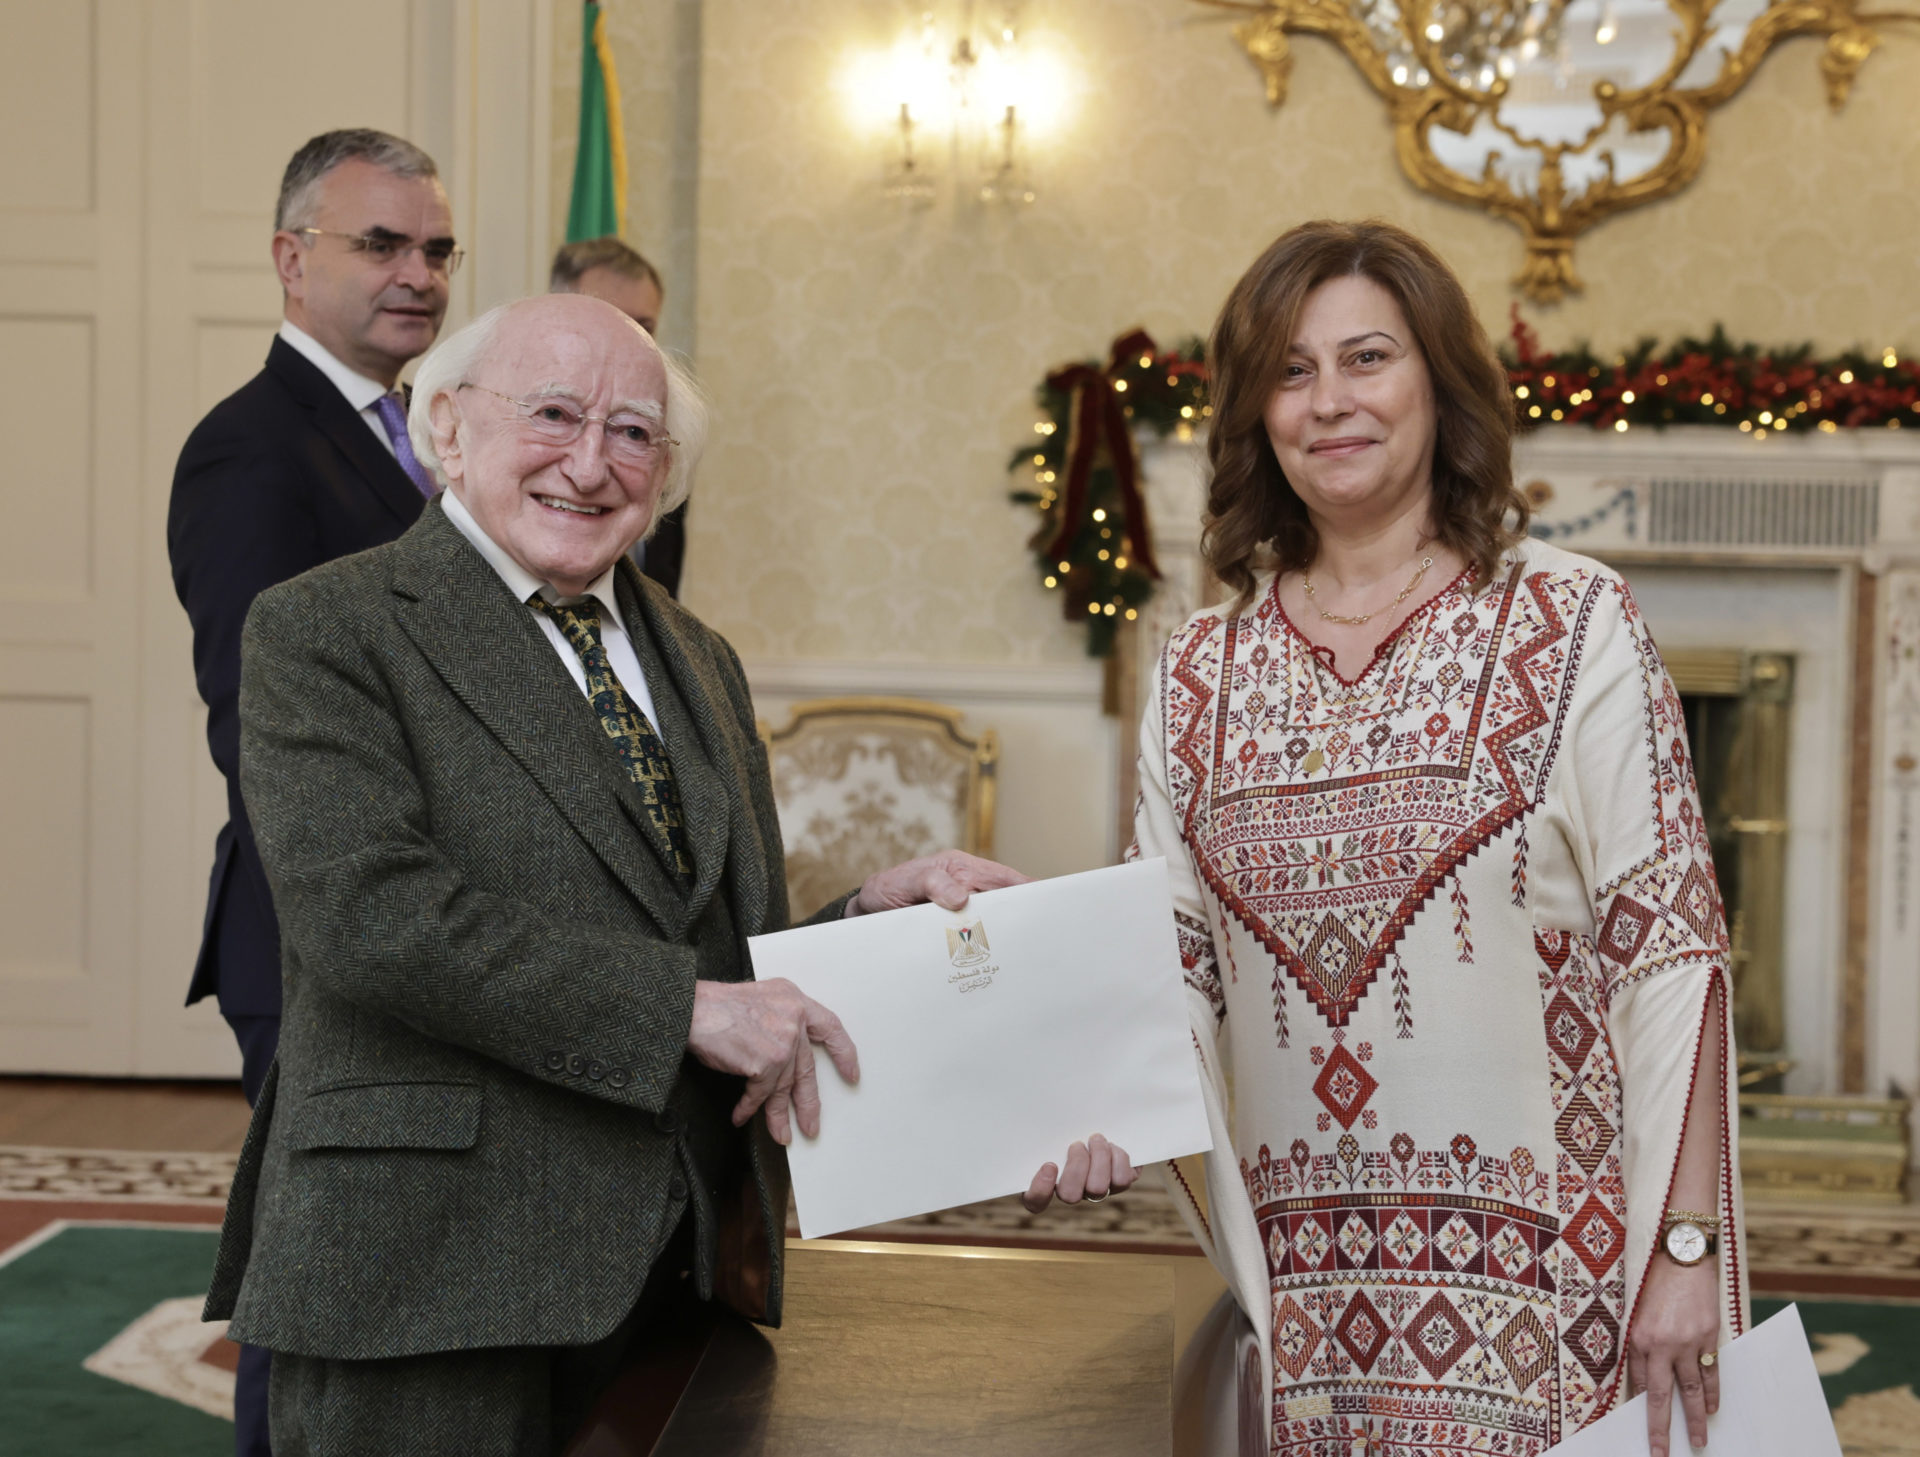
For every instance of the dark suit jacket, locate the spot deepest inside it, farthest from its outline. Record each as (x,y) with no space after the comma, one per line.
(666,550)
(280,476)
(484,1123)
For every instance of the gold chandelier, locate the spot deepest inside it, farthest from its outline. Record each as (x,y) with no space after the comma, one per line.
(1525,110)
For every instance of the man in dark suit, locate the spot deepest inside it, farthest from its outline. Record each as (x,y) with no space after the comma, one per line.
(518,827)
(606,268)
(308,461)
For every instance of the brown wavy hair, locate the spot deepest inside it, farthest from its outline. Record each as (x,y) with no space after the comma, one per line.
(1254,519)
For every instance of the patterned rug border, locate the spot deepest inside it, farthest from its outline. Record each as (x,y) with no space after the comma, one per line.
(1837,1251)
(129,1175)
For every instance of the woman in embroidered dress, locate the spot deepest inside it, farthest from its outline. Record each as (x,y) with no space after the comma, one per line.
(1444,902)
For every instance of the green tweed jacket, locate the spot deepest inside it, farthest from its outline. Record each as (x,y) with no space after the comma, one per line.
(483,1123)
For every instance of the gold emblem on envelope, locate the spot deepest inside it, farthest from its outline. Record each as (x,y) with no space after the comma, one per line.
(967,945)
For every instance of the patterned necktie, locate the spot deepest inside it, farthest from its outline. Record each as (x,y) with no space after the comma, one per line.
(393,419)
(638,746)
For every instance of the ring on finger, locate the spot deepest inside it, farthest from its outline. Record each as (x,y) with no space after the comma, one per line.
(1707,1360)
(1093,1198)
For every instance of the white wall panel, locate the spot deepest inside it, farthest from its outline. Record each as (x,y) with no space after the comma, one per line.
(43,803)
(47,392)
(226,356)
(47,95)
(270,75)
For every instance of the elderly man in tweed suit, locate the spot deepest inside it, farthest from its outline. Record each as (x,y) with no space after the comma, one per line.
(517,824)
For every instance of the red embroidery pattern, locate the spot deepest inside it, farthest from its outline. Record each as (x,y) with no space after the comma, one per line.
(1589,1264)
(1447,1270)
(1325,850)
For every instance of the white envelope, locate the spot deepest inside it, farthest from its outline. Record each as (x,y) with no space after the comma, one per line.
(989,1040)
(1771,1405)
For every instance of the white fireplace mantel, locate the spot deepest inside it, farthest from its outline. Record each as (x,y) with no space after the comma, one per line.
(1734,541)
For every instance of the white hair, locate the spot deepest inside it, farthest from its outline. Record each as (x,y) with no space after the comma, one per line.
(454,360)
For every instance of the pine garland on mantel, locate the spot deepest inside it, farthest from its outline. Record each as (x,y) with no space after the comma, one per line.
(1094,544)
(1711,381)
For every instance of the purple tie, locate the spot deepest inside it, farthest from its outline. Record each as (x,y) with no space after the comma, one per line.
(393,417)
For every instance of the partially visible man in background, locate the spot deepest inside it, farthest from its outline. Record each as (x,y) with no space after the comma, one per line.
(607,269)
(307,461)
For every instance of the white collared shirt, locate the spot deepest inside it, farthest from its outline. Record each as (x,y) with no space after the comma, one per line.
(360,391)
(523,584)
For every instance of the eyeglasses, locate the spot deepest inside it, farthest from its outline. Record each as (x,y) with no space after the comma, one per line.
(631,439)
(384,249)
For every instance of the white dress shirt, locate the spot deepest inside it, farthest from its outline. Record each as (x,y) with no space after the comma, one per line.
(523,584)
(360,391)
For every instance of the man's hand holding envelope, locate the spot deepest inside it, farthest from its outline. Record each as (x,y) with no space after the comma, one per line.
(764,1031)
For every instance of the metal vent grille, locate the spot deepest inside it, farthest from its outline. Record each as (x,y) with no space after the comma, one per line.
(1729,511)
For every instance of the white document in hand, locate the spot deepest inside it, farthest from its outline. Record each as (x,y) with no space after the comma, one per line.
(990,1039)
(1771,1405)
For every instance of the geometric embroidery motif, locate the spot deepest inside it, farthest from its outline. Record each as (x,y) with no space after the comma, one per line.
(1295,1337)
(1438,1336)
(1625,929)
(1310,1242)
(1698,903)
(1328,871)
(1344,1086)
(1570,1033)
(1595,1339)
(1356,1240)
(1404,1240)
(1526,1348)
(1362,1331)
(1596,1237)
(1509,1247)
(1584,1133)
(1333,956)
(1456,1240)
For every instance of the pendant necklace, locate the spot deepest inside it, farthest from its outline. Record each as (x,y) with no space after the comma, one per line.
(1364,618)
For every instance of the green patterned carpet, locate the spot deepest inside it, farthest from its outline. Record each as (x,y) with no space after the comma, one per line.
(1869,1360)
(66,1299)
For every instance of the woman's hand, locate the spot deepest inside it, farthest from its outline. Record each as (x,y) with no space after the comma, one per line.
(1094,1170)
(1678,1322)
(947,879)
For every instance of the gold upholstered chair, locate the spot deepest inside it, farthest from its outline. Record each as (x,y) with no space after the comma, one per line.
(864,783)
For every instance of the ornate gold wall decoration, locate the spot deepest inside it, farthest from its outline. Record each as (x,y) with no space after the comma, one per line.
(1556,114)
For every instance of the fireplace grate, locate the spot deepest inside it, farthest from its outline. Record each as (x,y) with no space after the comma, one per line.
(1735,511)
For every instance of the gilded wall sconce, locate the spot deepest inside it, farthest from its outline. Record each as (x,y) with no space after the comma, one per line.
(1556,114)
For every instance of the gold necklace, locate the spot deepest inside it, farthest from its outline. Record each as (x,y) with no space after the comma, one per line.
(1360,621)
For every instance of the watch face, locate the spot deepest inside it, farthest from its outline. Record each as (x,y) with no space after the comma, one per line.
(1687,1243)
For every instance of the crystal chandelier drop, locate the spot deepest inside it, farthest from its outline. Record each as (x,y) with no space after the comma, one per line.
(1480,43)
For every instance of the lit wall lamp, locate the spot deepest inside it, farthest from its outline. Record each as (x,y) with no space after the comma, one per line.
(958,100)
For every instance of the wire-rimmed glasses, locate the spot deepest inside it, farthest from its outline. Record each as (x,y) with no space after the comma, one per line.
(441,255)
(631,438)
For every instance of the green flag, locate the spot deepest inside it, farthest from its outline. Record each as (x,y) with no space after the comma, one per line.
(599,206)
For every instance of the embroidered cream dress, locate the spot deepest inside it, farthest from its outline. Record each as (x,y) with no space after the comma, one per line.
(1451,934)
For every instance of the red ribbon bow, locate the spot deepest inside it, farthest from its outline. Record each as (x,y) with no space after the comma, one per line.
(1096,418)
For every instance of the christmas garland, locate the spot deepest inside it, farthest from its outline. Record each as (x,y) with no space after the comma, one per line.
(1710,381)
(1094,545)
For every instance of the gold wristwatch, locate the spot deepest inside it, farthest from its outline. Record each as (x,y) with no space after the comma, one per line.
(1689,1238)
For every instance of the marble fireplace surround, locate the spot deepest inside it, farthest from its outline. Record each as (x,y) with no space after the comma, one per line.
(1807,545)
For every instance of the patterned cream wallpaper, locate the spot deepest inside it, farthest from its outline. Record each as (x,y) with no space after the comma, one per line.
(872,366)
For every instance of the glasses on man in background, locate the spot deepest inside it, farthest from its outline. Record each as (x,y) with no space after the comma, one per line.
(385,249)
